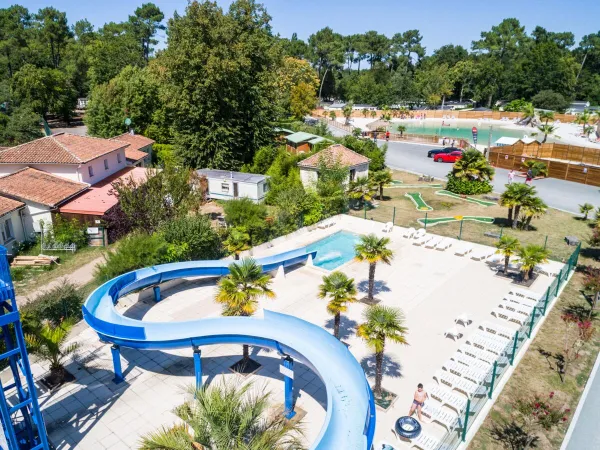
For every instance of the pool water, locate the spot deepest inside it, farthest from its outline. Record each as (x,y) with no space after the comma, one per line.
(462,130)
(334,250)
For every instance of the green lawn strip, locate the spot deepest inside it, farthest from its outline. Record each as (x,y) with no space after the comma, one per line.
(468,199)
(417,199)
(437,220)
(414,186)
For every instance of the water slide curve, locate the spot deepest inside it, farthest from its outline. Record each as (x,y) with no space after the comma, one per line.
(350,418)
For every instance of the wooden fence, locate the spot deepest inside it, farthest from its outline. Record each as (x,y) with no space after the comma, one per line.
(444,114)
(565,162)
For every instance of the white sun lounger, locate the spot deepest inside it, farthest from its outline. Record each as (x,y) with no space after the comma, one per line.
(470,361)
(453,333)
(511,316)
(445,244)
(474,352)
(419,233)
(455,382)
(423,240)
(525,293)
(463,318)
(547,269)
(489,342)
(433,242)
(469,373)
(326,224)
(463,249)
(425,442)
(483,254)
(445,396)
(521,300)
(388,227)
(499,330)
(409,233)
(449,419)
(516,307)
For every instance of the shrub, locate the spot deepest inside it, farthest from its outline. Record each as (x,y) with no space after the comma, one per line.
(468,187)
(58,303)
(134,252)
(164,155)
(548,99)
(244,212)
(117,223)
(200,239)
(63,231)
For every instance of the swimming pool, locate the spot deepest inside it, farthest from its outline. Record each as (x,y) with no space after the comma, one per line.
(334,250)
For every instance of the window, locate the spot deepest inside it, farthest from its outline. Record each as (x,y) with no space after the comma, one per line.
(119,158)
(106,164)
(265,187)
(225,188)
(7,231)
(90,171)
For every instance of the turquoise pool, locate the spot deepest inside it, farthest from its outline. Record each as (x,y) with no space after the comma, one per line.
(334,250)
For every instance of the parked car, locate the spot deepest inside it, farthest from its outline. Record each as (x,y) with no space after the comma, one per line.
(448,157)
(437,151)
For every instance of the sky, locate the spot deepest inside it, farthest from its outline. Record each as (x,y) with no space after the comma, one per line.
(440,21)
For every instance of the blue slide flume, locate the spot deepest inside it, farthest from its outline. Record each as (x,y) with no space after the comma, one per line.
(350,418)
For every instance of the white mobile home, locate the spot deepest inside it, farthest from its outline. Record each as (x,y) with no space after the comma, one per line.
(227,185)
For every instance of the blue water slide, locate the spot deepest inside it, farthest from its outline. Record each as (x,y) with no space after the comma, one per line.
(350,418)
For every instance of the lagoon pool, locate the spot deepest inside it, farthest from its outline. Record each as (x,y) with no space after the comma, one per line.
(334,250)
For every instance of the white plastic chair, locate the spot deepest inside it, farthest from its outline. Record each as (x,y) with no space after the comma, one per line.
(453,333)
(387,228)
(433,242)
(409,233)
(463,249)
(464,319)
(445,244)
(419,233)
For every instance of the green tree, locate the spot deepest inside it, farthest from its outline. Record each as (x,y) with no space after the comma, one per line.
(196,234)
(546,130)
(361,189)
(15,25)
(585,209)
(54,32)
(507,246)
(538,168)
(548,99)
(219,73)
(302,100)
(237,241)
(380,179)
(373,249)
(382,324)
(534,207)
(434,82)
(583,119)
(145,22)
(514,197)
(48,342)
(227,416)
(473,166)
(23,125)
(240,291)
(546,116)
(339,290)
(530,256)
(347,111)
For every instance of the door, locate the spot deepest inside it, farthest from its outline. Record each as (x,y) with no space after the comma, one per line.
(352,174)
(235,190)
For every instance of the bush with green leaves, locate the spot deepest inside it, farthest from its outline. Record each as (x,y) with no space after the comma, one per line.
(244,212)
(468,187)
(56,304)
(133,252)
(64,231)
(194,236)
(164,155)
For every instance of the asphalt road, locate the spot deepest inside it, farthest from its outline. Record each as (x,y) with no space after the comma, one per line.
(558,194)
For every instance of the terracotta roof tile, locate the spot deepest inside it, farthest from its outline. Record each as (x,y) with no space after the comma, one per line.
(40,187)
(61,148)
(8,204)
(135,141)
(134,155)
(337,152)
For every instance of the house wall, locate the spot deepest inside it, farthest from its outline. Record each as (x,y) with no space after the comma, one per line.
(19,234)
(217,191)
(362,170)
(309,176)
(75,172)
(33,214)
(298,148)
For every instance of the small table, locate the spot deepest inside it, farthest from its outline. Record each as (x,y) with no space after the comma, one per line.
(572,240)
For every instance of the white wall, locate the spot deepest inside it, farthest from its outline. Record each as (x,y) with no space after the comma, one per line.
(75,172)
(19,235)
(34,212)
(309,176)
(253,191)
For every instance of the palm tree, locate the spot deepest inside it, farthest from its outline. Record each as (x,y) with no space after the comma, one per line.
(538,168)
(373,249)
(546,116)
(227,416)
(529,113)
(473,166)
(401,129)
(382,323)
(373,113)
(365,112)
(533,207)
(507,246)
(380,179)
(240,291)
(237,241)
(361,189)
(531,256)
(585,209)
(583,119)
(515,195)
(340,290)
(546,130)
(347,111)
(48,341)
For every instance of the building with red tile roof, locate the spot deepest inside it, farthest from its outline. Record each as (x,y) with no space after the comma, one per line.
(12,228)
(357,164)
(139,150)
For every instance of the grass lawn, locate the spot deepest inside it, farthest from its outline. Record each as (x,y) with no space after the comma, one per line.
(555,224)
(536,373)
(29,279)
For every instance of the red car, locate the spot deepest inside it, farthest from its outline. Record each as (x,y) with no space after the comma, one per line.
(448,157)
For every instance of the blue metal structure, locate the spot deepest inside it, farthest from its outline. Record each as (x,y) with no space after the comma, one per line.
(22,420)
(350,418)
